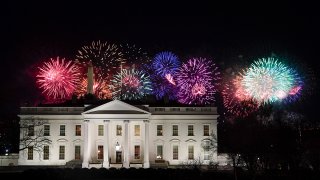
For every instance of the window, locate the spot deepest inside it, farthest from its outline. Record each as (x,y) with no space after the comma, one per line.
(30,153)
(206,130)
(137,130)
(46,131)
(159,130)
(45,152)
(61,152)
(62,130)
(174,130)
(190,130)
(100,130)
(190,152)
(137,152)
(77,152)
(159,152)
(119,130)
(30,130)
(63,109)
(174,109)
(175,152)
(206,149)
(100,152)
(191,109)
(78,130)
(159,109)
(205,109)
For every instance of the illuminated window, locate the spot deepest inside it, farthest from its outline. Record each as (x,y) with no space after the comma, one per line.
(190,130)
(206,130)
(62,130)
(77,152)
(30,153)
(100,152)
(46,131)
(78,130)
(137,130)
(30,130)
(190,152)
(159,130)
(45,152)
(175,152)
(61,152)
(175,130)
(136,152)
(119,130)
(159,152)
(100,130)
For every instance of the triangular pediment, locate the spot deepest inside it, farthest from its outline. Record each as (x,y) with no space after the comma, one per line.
(116,107)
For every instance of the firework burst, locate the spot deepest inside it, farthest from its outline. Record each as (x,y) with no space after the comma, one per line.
(236,101)
(58,79)
(197,81)
(295,91)
(163,88)
(166,64)
(100,88)
(130,84)
(268,80)
(134,55)
(103,55)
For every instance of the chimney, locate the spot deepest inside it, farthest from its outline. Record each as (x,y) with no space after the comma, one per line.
(90,79)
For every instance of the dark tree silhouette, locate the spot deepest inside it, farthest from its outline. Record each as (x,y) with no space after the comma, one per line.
(32,134)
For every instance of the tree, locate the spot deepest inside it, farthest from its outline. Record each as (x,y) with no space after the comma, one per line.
(210,147)
(32,134)
(211,144)
(195,163)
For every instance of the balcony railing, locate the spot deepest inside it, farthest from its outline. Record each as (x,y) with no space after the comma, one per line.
(51,110)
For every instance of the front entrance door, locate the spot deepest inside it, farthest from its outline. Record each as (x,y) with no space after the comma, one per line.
(118,157)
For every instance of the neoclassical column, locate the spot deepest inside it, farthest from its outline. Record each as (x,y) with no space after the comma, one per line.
(126,144)
(86,153)
(146,163)
(106,144)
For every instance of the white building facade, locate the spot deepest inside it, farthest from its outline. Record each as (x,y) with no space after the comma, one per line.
(117,133)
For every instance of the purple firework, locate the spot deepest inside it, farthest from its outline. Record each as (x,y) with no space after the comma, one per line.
(197,81)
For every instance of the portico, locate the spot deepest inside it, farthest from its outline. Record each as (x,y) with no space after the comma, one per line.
(116,133)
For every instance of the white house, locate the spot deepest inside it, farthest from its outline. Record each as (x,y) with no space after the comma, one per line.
(117,133)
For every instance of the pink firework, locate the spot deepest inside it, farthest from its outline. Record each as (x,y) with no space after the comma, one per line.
(236,101)
(58,79)
(100,88)
(198,90)
(170,79)
(131,81)
(197,81)
(240,92)
(294,90)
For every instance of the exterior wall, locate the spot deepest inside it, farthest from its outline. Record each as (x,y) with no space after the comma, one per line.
(9,160)
(182,140)
(69,141)
(197,117)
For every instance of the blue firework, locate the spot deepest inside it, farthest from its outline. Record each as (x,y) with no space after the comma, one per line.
(163,88)
(165,63)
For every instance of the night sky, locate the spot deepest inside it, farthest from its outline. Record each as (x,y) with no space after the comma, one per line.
(33,32)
